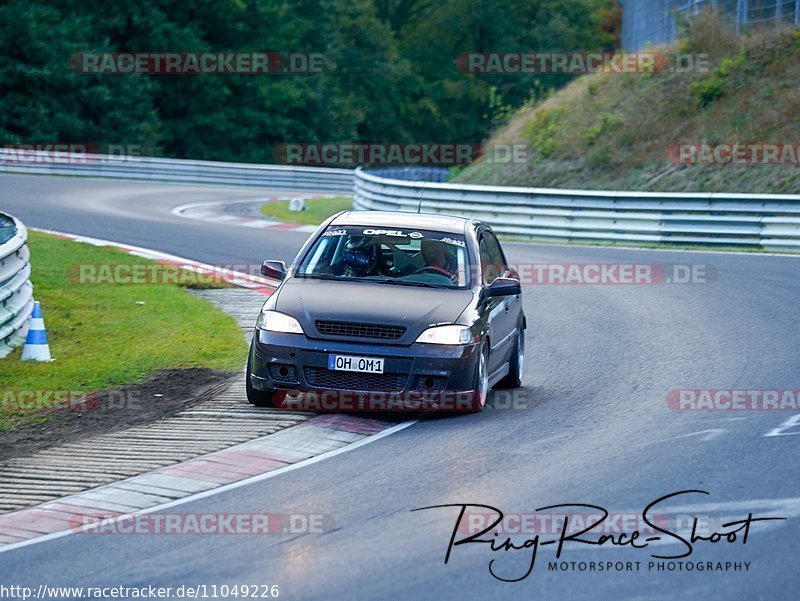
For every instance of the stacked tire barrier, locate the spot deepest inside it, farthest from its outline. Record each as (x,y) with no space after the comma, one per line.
(756,221)
(175,171)
(16,290)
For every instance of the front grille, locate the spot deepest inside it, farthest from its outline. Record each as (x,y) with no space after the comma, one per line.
(352,329)
(346,380)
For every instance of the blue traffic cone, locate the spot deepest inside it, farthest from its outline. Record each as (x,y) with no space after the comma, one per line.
(36,345)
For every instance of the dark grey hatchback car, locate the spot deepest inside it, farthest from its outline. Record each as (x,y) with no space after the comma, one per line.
(389,311)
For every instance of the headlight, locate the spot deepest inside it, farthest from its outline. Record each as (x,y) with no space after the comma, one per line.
(272,321)
(446,335)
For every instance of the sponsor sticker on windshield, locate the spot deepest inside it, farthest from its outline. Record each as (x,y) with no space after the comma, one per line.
(396,233)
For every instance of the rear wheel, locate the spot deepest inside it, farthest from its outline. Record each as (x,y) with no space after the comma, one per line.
(516,364)
(259,398)
(481,389)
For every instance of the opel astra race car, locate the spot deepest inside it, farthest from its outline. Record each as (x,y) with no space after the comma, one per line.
(395,310)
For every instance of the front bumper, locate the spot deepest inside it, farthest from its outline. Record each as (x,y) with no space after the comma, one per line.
(295,364)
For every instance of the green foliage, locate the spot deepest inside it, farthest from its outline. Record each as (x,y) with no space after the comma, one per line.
(608,122)
(731,64)
(542,131)
(707,91)
(389,72)
(717,83)
(499,112)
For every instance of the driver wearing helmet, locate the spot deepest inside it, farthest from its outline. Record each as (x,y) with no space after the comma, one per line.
(360,258)
(439,258)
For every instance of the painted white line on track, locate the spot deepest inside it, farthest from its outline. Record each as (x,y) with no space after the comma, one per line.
(156,255)
(709,434)
(179,210)
(210,216)
(226,487)
(790,506)
(789,424)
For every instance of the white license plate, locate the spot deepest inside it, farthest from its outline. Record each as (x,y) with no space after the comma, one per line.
(369,365)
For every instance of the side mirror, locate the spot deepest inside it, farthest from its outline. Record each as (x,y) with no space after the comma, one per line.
(273,269)
(503,287)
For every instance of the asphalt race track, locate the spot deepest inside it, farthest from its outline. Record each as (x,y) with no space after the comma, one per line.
(591,425)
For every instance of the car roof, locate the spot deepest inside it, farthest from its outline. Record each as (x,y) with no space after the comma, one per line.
(422,221)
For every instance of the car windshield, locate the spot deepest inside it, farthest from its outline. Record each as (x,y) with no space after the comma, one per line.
(390,256)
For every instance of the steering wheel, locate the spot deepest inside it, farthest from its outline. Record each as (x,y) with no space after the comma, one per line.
(435,270)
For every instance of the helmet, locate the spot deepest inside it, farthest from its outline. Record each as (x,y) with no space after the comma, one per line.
(361,256)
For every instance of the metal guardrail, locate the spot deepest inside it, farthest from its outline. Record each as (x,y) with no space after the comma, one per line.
(16,290)
(759,221)
(177,171)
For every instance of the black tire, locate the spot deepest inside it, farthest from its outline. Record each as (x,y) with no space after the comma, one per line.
(481,389)
(516,364)
(259,398)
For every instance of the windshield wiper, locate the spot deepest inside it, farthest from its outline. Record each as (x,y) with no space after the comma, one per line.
(319,276)
(418,284)
(336,278)
(396,282)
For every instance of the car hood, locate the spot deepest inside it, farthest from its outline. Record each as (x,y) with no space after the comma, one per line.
(362,302)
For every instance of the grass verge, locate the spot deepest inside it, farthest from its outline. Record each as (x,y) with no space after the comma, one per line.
(317,210)
(108,335)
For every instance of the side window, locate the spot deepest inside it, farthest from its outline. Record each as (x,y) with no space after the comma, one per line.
(488,266)
(493,263)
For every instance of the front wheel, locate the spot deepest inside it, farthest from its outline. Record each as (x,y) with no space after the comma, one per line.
(481,390)
(516,364)
(259,398)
